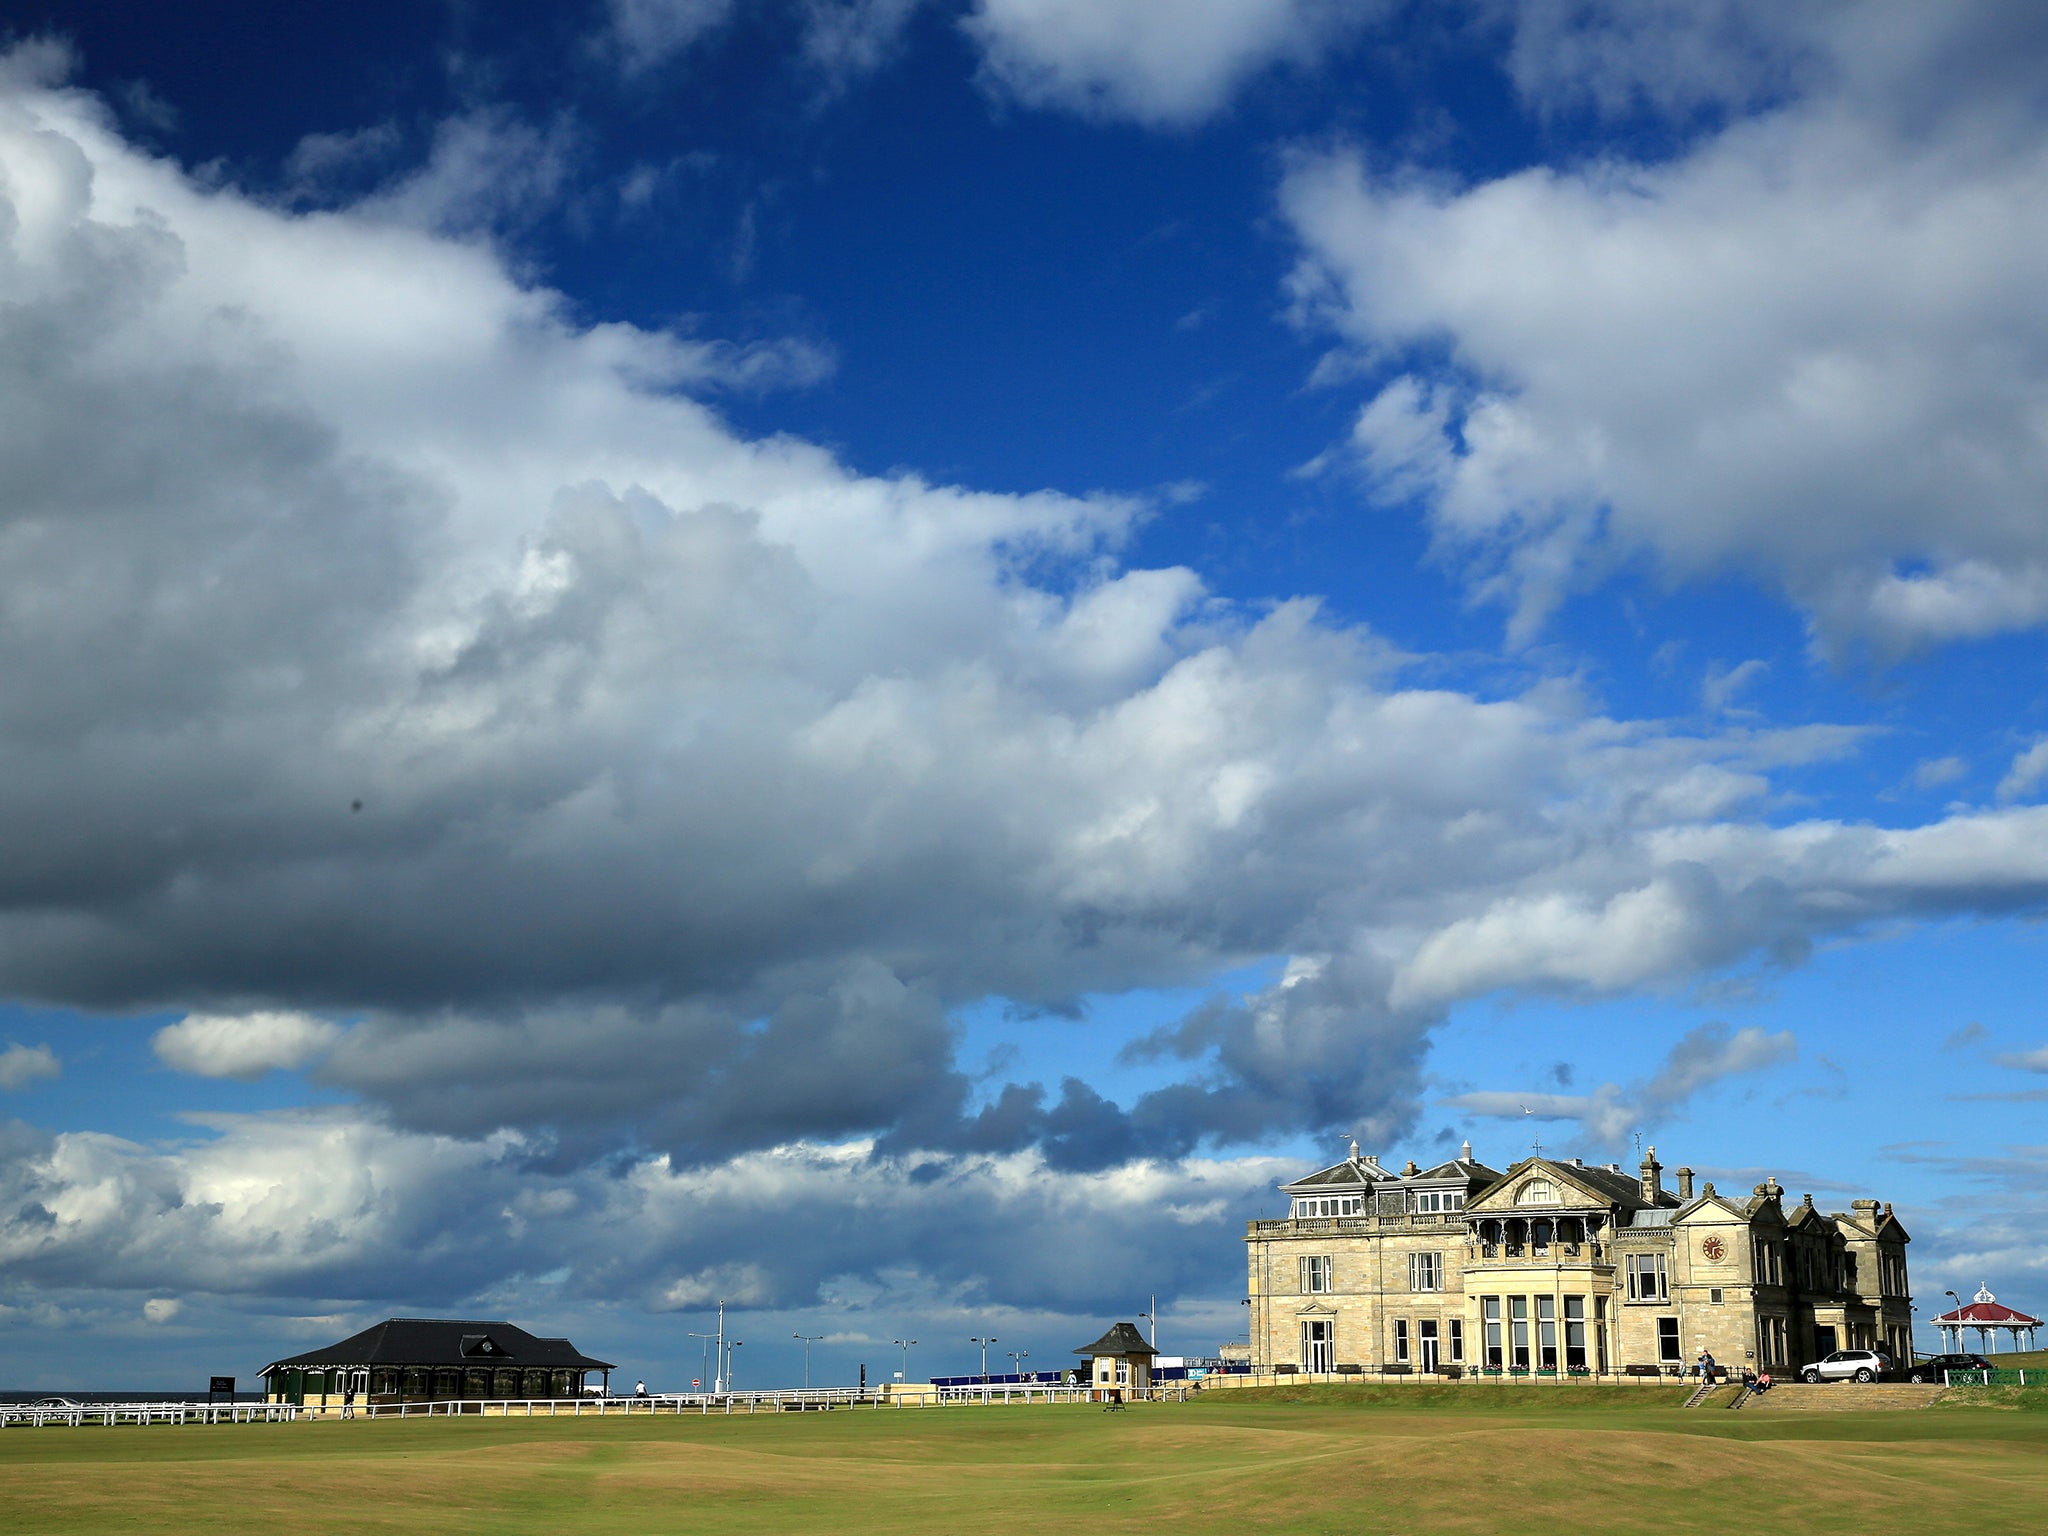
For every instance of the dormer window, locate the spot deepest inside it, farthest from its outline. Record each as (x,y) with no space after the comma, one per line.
(1429,1200)
(1313,1206)
(1536,1192)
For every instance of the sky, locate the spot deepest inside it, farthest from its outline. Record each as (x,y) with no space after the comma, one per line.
(878,658)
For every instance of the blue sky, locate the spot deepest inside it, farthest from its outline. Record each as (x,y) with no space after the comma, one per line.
(951,624)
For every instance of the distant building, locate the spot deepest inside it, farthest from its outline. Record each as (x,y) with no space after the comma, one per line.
(1565,1267)
(1120,1360)
(419,1360)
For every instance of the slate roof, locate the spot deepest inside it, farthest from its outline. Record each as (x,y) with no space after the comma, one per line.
(439,1341)
(1462,1168)
(1123,1339)
(1352,1173)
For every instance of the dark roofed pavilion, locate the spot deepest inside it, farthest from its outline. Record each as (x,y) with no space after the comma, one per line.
(422,1359)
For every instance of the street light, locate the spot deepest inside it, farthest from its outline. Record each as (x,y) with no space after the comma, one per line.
(703,1358)
(904,1345)
(1017,1359)
(809,1339)
(735,1344)
(984,1343)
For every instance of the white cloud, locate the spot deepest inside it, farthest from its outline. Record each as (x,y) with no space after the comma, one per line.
(21,1065)
(1161,62)
(161,1309)
(1701,1059)
(1809,346)
(703,780)
(2035,1060)
(2026,771)
(1937,771)
(649,31)
(244,1045)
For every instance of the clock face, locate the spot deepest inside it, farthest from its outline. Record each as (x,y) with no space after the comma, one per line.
(1714,1249)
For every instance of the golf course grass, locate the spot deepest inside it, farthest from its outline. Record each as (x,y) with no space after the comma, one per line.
(1334,1459)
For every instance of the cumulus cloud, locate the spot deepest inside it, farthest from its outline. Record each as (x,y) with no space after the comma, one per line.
(161,1309)
(1807,346)
(450,666)
(1157,61)
(2026,771)
(1700,1059)
(21,1065)
(333,1204)
(243,1045)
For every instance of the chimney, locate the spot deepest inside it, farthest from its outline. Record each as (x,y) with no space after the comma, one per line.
(1465,1153)
(1685,1183)
(1653,1177)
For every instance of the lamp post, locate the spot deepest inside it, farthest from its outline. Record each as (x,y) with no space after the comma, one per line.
(703,1357)
(1152,1323)
(904,1345)
(735,1344)
(1957,1331)
(984,1343)
(809,1339)
(1017,1359)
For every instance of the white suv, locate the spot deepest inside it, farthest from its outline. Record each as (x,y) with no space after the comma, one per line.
(1849,1365)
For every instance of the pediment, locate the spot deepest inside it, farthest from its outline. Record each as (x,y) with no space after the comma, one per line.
(1536,1189)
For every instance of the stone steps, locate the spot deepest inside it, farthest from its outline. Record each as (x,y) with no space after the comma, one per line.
(1840,1397)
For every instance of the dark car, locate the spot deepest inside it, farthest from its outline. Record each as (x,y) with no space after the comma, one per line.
(1931,1368)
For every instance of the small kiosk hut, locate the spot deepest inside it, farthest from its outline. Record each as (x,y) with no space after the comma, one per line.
(1122,1364)
(427,1360)
(1986,1317)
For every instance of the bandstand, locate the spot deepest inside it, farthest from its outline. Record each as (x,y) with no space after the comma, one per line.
(1985,1316)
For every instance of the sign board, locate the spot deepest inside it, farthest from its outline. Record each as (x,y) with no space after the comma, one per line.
(219,1384)
(695,1383)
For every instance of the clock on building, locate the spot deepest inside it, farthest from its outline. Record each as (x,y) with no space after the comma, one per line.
(1714,1249)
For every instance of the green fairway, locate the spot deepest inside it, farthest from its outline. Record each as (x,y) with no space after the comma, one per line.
(1343,1461)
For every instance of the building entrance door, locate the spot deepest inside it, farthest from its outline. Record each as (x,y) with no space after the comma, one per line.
(1426,1340)
(1824,1341)
(1318,1346)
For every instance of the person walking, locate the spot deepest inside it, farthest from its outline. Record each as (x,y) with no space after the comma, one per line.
(348,1398)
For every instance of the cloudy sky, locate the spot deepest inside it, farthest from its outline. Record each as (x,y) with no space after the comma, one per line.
(877,657)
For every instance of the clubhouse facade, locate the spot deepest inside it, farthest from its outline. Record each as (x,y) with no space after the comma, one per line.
(1564,1268)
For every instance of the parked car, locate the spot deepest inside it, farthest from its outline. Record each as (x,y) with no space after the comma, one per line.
(1931,1368)
(55,1402)
(1849,1365)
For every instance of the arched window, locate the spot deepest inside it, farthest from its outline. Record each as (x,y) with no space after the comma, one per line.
(1536,1192)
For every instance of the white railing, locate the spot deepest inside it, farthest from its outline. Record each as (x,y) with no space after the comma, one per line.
(783,1400)
(77,1415)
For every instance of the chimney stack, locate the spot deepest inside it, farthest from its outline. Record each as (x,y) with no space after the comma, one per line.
(1653,1177)
(1685,1183)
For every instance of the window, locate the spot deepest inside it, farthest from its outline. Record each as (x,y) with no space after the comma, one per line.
(1518,1332)
(1714,1295)
(1425,1271)
(1318,1345)
(1536,1192)
(1315,1274)
(1575,1333)
(1667,1341)
(1310,1208)
(1489,1309)
(1430,1200)
(1457,1341)
(1401,1340)
(1546,1332)
(1646,1278)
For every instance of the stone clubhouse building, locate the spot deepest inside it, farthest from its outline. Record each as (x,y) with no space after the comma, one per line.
(1564,1268)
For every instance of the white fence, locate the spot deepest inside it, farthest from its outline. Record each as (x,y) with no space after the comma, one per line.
(788,1400)
(77,1415)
